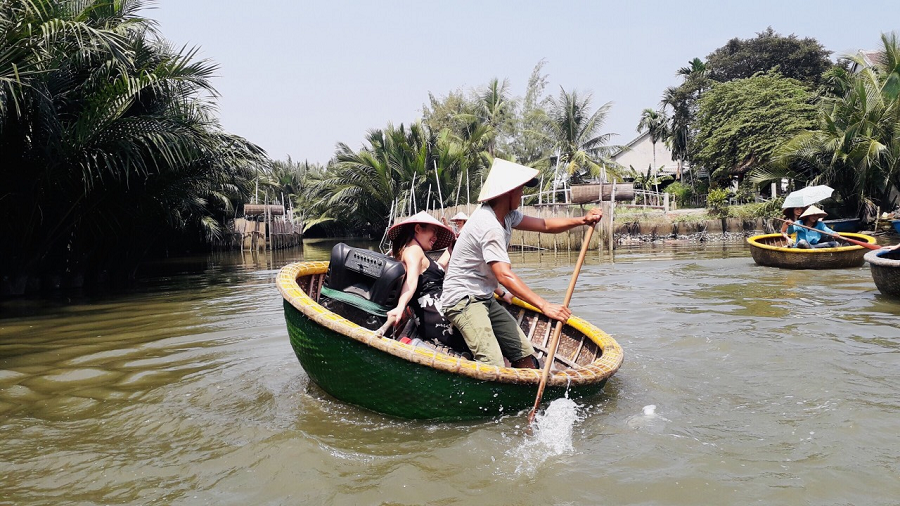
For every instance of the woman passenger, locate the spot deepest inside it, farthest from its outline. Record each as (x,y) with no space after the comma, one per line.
(791,214)
(410,240)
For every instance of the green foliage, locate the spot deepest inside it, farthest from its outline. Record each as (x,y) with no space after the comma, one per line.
(453,112)
(745,192)
(533,135)
(395,170)
(681,192)
(772,208)
(748,211)
(741,123)
(649,180)
(680,132)
(110,144)
(802,59)
(584,152)
(717,202)
(855,145)
(459,136)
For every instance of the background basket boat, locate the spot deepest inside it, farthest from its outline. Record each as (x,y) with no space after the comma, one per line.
(885,266)
(355,365)
(843,224)
(772,250)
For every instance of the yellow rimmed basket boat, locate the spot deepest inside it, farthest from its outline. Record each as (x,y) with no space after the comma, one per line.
(772,250)
(355,365)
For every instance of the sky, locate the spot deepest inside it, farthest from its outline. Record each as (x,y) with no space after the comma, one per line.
(297,77)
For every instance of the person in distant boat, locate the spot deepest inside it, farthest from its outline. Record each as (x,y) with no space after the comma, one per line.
(458,220)
(806,238)
(790,214)
(480,265)
(410,240)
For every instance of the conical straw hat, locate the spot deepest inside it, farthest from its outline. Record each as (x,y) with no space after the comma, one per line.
(813,211)
(505,177)
(460,216)
(445,236)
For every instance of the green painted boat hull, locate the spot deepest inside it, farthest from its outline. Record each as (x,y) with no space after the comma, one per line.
(359,374)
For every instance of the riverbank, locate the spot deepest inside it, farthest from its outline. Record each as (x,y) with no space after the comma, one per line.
(636,225)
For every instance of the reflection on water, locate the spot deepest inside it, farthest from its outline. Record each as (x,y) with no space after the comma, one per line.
(739,382)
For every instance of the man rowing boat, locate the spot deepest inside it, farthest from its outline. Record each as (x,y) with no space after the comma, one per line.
(480,263)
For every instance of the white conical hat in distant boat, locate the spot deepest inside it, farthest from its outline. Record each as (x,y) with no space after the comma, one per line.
(813,211)
(445,236)
(460,216)
(505,177)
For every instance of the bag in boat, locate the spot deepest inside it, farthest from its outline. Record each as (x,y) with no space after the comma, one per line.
(362,285)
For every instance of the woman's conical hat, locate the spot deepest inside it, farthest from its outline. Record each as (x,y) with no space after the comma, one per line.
(505,177)
(813,211)
(460,216)
(445,236)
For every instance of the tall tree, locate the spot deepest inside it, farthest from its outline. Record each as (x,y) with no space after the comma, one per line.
(533,137)
(855,146)
(682,100)
(802,59)
(495,109)
(655,122)
(741,123)
(583,150)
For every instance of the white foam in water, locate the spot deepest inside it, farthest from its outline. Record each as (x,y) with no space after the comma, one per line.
(648,420)
(551,436)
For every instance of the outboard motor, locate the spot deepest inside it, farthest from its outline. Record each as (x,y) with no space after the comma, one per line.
(362,285)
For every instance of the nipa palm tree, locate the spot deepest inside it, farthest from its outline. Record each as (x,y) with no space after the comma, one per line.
(110,144)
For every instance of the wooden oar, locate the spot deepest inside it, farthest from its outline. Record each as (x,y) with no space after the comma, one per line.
(839,236)
(554,340)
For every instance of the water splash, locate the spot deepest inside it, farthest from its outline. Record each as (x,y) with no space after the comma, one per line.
(551,436)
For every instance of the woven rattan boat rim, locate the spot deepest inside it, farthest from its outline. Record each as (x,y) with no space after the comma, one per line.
(754,241)
(873,258)
(600,369)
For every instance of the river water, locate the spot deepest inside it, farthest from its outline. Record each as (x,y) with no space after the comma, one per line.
(741,385)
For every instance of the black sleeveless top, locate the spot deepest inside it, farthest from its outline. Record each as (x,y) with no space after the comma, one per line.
(426,304)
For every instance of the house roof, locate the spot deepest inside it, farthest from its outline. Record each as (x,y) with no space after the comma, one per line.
(869,56)
(631,144)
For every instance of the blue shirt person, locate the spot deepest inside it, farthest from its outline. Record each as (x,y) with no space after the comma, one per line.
(807,238)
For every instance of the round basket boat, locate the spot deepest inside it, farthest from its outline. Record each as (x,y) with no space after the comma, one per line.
(355,365)
(885,267)
(772,250)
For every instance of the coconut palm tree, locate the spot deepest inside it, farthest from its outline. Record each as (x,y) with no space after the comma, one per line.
(657,124)
(683,101)
(496,109)
(583,150)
